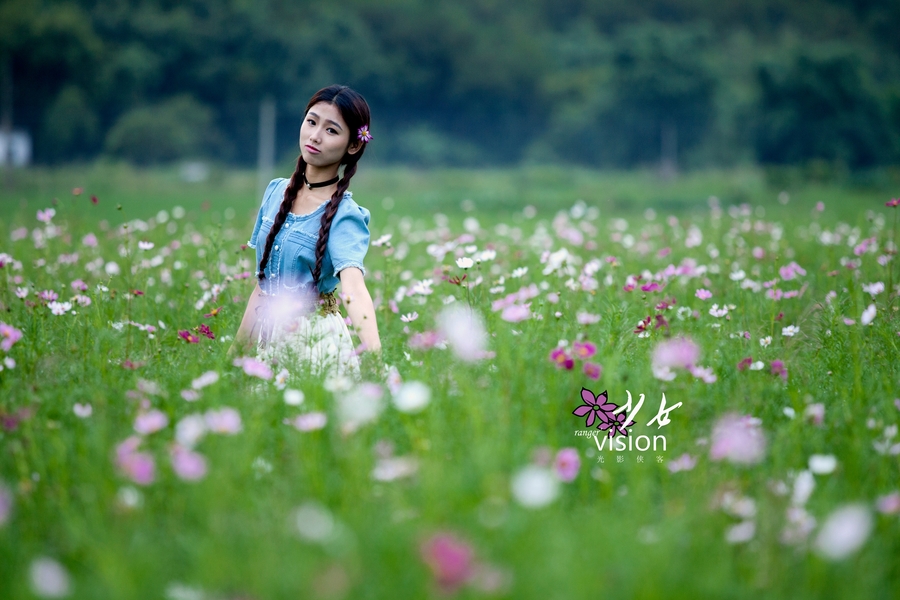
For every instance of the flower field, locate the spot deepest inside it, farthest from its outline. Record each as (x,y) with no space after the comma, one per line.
(584,398)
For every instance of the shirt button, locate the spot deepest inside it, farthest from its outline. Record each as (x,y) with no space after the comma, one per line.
(287,225)
(276,246)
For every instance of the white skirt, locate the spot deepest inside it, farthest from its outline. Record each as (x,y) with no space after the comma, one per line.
(314,343)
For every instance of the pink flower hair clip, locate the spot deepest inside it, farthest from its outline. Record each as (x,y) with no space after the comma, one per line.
(363,134)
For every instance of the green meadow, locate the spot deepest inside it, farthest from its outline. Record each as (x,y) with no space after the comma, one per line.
(135,463)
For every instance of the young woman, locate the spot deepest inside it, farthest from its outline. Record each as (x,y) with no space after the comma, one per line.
(309,232)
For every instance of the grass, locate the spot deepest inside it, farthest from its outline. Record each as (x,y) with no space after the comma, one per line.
(621,529)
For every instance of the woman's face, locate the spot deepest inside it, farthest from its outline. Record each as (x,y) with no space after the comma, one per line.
(325,137)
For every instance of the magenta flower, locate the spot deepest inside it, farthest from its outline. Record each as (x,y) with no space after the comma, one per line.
(745,363)
(188,336)
(595,408)
(738,438)
(584,350)
(254,367)
(561,358)
(778,368)
(450,559)
(593,370)
(205,330)
(893,202)
(187,464)
(566,464)
(651,287)
(364,134)
(9,335)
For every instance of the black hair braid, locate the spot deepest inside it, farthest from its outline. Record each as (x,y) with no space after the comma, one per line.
(286,203)
(330,211)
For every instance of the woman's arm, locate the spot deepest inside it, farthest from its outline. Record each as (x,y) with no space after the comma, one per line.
(360,308)
(243,339)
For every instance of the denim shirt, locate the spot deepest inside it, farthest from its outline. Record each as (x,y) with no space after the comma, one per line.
(293,255)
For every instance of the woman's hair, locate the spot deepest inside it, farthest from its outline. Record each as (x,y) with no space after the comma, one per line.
(355,112)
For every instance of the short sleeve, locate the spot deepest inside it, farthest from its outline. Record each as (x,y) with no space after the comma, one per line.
(270,189)
(349,237)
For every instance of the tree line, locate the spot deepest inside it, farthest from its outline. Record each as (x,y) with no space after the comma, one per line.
(613,84)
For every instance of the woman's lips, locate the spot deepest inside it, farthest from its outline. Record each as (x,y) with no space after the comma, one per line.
(312,149)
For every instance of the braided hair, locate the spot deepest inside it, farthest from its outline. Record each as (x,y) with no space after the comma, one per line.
(355,112)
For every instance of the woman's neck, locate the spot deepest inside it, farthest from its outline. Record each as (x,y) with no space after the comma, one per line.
(316,174)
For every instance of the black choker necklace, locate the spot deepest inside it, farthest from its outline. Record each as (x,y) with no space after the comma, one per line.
(321,183)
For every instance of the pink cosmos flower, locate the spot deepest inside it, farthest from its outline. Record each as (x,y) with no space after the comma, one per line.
(703,294)
(254,367)
(583,349)
(651,287)
(677,352)
(79,286)
(308,421)
(566,464)
(225,420)
(745,363)
(9,335)
(150,422)
(90,240)
(48,295)
(889,504)
(685,462)
(45,216)
(738,438)
(593,370)
(6,504)
(450,559)
(516,313)
(778,368)
(137,466)
(187,464)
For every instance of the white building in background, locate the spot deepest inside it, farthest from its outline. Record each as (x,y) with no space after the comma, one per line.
(15,148)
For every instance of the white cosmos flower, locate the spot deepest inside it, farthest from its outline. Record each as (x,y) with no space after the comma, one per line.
(790,331)
(412,396)
(464,330)
(868,315)
(534,487)
(464,262)
(844,532)
(822,464)
(49,579)
(293,397)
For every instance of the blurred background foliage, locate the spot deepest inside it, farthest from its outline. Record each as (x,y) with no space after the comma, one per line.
(607,84)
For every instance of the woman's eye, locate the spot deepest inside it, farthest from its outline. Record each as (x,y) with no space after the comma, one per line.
(332,131)
(310,121)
